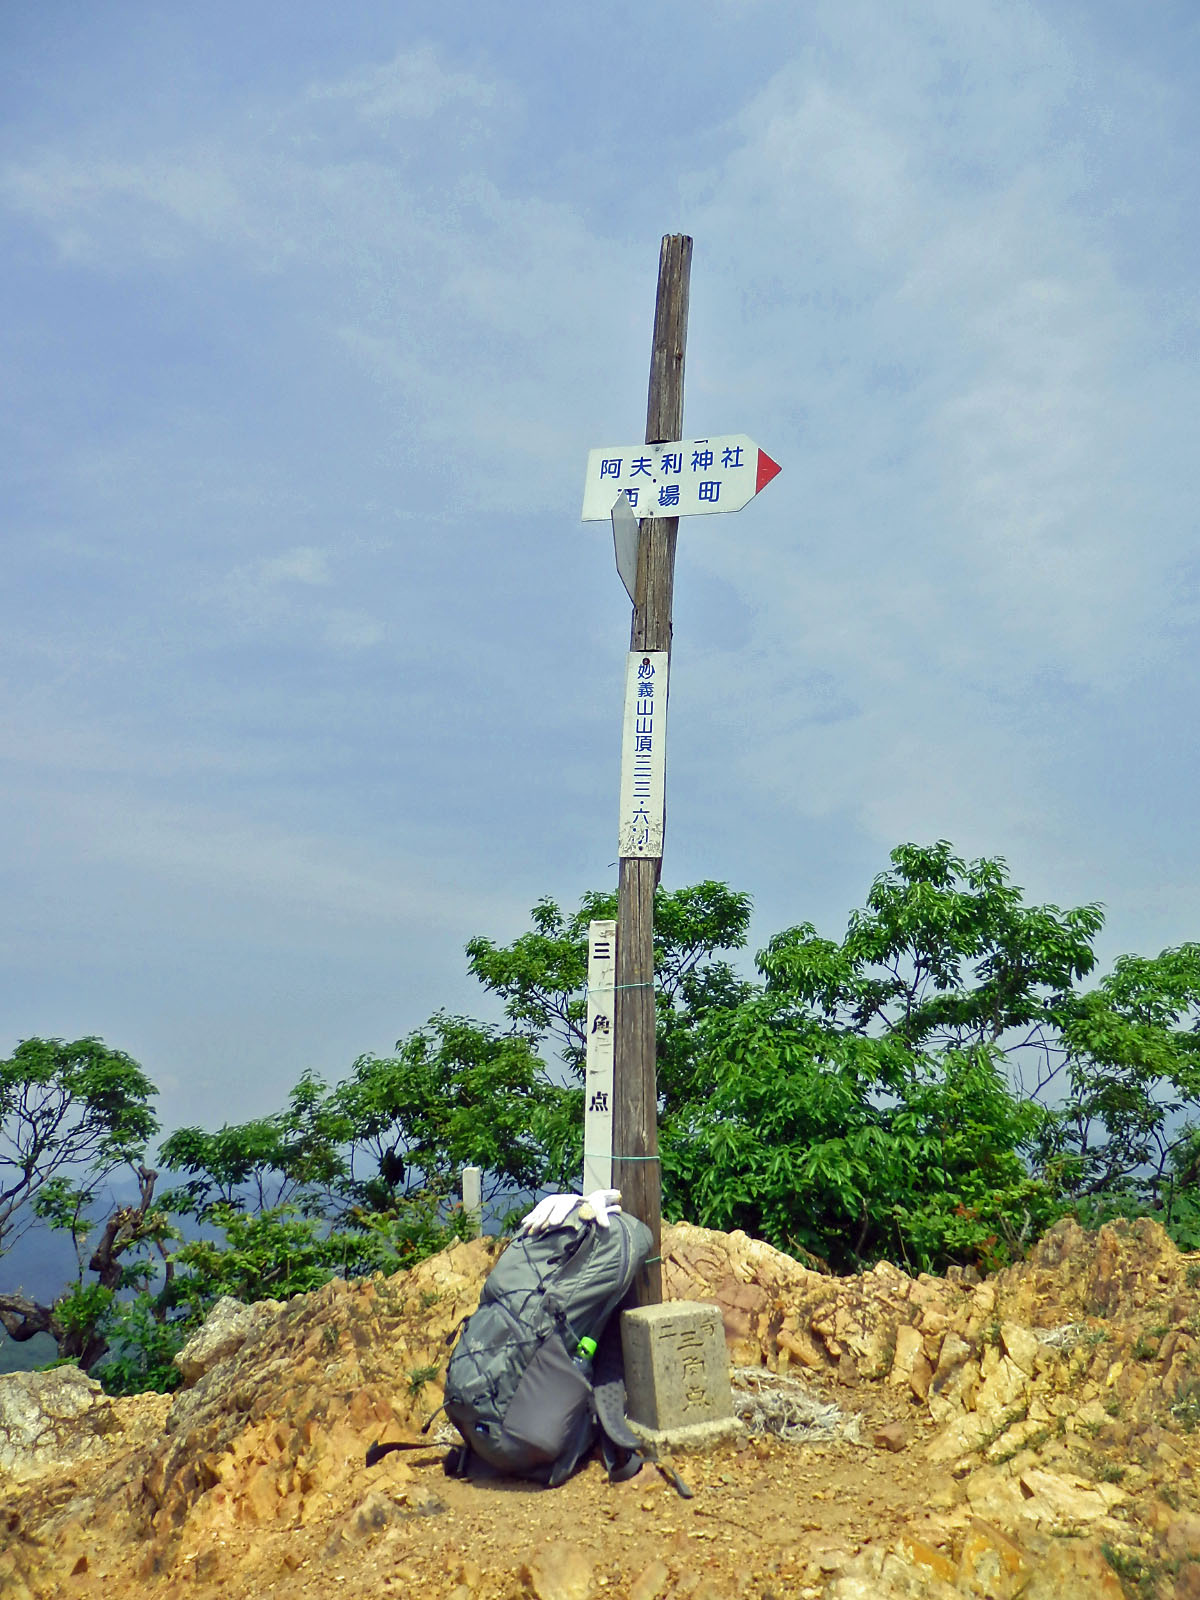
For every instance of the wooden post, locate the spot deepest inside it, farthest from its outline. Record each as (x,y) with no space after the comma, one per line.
(635,1079)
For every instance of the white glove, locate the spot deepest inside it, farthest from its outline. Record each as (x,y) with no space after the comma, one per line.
(602,1203)
(551,1212)
(555,1209)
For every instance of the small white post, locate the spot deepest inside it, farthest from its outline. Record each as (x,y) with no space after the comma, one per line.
(472,1190)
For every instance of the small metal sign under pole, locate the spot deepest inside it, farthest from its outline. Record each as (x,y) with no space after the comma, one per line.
(635,1081)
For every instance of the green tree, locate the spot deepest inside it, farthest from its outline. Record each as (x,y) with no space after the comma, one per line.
(455,1094)
(293,1157)
(342,1181)
(1130,1051)
(829,1106)
(944,954)
(66,1109)
(542,977)
(71,1116)
(252,1255)
(936,1086)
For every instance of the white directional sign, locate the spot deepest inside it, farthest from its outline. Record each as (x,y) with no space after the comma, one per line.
(684,478)
(598,1083)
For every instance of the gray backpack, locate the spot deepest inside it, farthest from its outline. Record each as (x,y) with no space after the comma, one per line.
(532,1381)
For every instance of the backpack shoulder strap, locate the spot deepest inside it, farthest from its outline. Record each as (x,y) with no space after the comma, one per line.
(377,1451)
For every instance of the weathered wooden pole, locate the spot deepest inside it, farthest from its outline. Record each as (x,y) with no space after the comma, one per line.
(635,1080)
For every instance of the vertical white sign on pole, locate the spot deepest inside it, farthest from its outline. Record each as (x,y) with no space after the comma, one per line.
(644,755)
(598,1077)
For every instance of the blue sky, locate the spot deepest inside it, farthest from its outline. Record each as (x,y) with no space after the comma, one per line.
(309,317)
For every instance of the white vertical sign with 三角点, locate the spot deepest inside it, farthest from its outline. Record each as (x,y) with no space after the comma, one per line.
(644,755)
(598,1077)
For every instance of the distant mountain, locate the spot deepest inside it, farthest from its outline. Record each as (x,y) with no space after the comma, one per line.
(35,1352)
(40,1264)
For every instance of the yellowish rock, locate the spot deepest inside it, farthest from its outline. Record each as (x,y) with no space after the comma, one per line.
(909,1345)
(1005,1387)
(991,1566)
(1073,1569)
(1064,1500)
(1020,1346)
(926,1555)
(961,1435)
(561,1571)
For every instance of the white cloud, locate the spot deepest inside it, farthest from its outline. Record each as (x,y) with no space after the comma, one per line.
(286,592)
(352,630)
(412,85)
(304,564)
(102,210)
(483,314)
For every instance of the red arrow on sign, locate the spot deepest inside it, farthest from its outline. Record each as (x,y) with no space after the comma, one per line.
(767,469)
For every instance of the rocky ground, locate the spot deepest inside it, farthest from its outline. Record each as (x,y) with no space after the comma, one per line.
(1033,1435)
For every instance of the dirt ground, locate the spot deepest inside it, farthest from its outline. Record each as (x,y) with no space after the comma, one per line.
(767,1519)
(1033,1436)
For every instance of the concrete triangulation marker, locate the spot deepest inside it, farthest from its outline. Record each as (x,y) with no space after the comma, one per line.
(677,1389)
